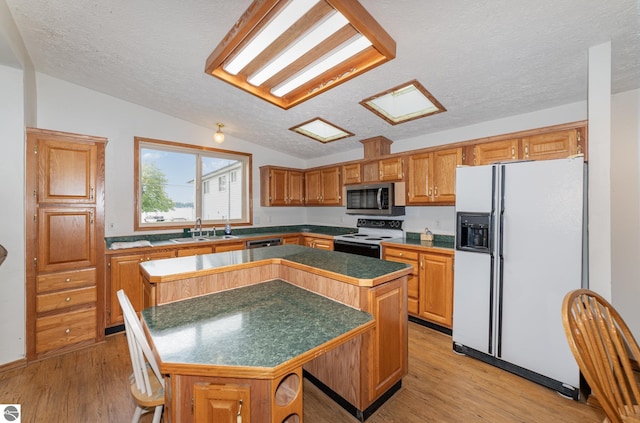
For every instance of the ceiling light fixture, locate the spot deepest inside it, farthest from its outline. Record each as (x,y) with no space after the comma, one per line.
(218,137)
(287,51)
(403,103)
(321,130)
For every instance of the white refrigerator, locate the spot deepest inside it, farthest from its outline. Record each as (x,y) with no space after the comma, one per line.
(508,295)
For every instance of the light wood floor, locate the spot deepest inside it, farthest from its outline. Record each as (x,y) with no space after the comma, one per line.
(91,386)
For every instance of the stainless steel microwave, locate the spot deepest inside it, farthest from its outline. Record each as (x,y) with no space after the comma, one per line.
(373,199)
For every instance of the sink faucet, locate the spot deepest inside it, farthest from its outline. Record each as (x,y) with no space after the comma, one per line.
(197,226)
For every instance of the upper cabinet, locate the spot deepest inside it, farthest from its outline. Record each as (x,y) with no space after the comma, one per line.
(496,151)
(555,145)
(67,171)
(323,187)
(391,169)
(351,174)
(432,177)
(281,186)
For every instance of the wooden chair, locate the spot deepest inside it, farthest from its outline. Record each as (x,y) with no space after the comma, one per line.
(606,352)
(147,384)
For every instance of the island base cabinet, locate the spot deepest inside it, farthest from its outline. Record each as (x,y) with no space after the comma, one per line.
(365,368)
(213,403)
(203,399)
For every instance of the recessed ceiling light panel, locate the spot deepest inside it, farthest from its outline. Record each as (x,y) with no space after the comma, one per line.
(403,103)
(287,51)
(321,130)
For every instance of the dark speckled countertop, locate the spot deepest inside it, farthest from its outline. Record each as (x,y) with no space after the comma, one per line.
(363,269)
(262,325)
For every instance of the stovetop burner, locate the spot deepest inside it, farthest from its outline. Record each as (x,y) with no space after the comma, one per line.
(374,231)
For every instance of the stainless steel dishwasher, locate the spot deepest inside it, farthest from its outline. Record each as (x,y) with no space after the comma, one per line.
(259,243)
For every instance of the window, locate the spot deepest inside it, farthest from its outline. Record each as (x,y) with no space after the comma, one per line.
(173,184)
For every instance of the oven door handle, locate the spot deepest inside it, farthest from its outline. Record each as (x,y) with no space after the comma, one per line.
(379,198)
(356,244)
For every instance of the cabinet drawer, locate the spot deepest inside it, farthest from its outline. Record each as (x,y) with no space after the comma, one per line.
(404,254)
(66,280)
(61,330)
(64,299)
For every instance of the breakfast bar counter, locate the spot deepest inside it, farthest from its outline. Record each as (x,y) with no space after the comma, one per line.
(359,363)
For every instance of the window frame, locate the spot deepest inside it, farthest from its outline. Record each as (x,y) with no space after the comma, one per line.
(150,143)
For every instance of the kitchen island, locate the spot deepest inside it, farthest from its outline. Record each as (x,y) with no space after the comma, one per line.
(360,374)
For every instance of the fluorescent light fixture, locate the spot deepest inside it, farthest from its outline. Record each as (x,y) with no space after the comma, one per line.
(287,51)
(403,103)
(321,130)
(304,45)
(351,48)
(294,11)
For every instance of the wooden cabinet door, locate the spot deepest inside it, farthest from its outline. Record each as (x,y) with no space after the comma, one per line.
(391,169)
(420,186)
(445,163)
(312,187)
(436,288)
(230,247)
(194,251)
(278,187)
(319,243)
(370,172)
(295,188)
(351,174)
(125,274)
(497,151)
(556,145)
(67,171)
(66,238)
(389,353)
(331,186)
(221,403)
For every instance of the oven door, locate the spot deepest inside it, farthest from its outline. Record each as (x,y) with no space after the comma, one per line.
(369,250)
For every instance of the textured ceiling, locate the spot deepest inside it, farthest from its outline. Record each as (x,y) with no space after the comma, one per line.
(482,59)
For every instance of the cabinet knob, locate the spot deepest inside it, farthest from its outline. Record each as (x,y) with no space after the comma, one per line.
(68,280)
(400,254)
(67,299)
(67,331)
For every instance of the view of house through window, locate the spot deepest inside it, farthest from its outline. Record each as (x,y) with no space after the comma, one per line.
(177,183)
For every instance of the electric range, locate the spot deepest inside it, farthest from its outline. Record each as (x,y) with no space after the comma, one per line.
(371,232)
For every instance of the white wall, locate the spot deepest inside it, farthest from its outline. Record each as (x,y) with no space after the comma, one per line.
(625,207)
(67,107)
(12,271)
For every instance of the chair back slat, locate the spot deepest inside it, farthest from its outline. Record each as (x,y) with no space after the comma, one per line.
(605,351)
(139,348)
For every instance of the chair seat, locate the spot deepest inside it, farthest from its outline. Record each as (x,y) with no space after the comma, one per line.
(148,401)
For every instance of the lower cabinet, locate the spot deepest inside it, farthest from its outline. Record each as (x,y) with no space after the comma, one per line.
(229,247)
(213,403)
(291,240)
(436,288)
(319,243)
(124,273)
(430,285)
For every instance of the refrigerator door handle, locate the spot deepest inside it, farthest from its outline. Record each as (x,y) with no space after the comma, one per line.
(500,286)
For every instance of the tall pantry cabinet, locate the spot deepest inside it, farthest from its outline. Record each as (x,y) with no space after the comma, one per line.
(64,241)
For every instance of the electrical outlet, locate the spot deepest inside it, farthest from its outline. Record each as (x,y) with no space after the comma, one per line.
(112,225)
(437,224)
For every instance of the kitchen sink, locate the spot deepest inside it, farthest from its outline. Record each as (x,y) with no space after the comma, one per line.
(201,238)
(187,240)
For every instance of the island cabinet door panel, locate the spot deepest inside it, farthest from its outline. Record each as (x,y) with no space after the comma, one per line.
(388,349)
(67,171)
(221,403)
(66,238)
